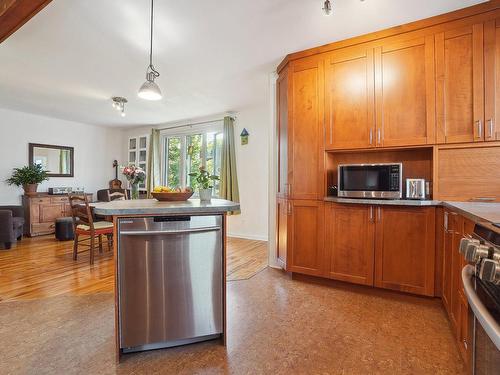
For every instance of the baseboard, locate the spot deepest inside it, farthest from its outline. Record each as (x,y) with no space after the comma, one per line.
(248,236)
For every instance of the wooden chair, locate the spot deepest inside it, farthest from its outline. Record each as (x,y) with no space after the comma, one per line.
(118,195)
(84,225)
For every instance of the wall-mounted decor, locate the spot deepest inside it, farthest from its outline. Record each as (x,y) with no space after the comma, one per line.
(58,161)
(244,136)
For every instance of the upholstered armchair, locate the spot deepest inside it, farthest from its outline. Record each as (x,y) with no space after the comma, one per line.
(11,224)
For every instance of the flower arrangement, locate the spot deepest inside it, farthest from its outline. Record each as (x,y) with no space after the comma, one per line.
(134,175)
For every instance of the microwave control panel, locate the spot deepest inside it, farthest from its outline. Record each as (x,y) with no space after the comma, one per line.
(395,177)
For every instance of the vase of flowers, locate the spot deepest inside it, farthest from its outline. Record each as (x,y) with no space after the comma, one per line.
(28,177)
(205,181)
(134,176)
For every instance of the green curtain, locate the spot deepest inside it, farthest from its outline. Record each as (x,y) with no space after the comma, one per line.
(154,159)
(228,178)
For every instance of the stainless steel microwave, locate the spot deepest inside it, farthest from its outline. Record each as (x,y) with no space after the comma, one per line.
(370,180)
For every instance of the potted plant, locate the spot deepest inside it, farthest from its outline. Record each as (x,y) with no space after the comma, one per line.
(28,177)
(204,180)
(135,176)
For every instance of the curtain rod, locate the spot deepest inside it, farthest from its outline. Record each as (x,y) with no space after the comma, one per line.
(192,124)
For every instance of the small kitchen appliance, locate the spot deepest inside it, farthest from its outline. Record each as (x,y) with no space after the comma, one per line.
(415,188)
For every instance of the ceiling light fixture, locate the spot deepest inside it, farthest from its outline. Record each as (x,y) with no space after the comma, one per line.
(327,7)
(149,89)
(119,104)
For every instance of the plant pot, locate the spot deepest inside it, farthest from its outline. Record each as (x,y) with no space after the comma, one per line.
(30,189)
(205,195)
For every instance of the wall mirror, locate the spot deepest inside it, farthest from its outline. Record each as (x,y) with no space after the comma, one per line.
(56,160)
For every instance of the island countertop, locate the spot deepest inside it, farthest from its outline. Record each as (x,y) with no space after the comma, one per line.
(154,207)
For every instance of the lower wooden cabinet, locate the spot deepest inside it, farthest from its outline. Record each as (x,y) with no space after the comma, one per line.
(306,237)
(349,242)
(405,249)
(389,247)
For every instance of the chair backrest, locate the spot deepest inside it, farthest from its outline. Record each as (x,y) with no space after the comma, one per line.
(81,210)
(117,195)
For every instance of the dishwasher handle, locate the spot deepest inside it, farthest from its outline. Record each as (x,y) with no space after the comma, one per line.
(175,231)
(489,324)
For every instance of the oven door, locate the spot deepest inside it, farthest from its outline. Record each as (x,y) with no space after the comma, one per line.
(486,328)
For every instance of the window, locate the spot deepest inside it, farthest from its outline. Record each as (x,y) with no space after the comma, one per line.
(185,151)
(137,154)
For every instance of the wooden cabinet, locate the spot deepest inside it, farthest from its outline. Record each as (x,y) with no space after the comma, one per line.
(349,242)
(306,237)
(349,99)
(41,211)
(305,129)
(492,80)
(460,81)
(282,211)
(405,93)
(405,249)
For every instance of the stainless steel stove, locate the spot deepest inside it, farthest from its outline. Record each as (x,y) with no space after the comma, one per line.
(482,287)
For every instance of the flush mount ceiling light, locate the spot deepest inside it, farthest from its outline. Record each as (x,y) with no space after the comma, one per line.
(119,104)
(149,89)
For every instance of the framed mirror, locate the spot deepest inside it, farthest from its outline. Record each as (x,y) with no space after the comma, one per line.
(58,161)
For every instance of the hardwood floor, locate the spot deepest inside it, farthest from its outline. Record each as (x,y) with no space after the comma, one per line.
(43,267)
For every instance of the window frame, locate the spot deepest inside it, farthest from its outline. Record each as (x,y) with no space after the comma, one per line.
(182,133)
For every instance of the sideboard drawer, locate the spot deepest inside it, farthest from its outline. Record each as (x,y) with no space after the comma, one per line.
(63,199)
(40,200)
(42,228)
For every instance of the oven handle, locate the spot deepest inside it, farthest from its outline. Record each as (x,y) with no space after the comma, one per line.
(490,326)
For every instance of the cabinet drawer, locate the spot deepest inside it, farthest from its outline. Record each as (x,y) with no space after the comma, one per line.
(62,199)
(39,200)
(42,228)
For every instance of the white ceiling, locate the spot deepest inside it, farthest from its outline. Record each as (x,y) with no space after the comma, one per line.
(213,55)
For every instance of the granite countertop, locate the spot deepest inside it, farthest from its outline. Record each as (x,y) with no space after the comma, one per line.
(154,207)
(387,202)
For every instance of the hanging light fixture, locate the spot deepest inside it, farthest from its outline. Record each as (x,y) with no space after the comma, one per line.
(119,104)
(149,89)
(327,7)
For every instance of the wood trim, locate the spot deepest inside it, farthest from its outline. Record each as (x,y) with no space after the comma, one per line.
(15,13)
(474,10)
(440,76)
(430,88)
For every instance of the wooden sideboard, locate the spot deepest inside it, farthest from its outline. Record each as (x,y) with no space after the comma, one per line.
(41,211)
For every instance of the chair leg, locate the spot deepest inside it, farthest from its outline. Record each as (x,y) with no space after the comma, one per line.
(8,245)
(75,246)
(20,237)
(110,242)
(92,238)
(100,243)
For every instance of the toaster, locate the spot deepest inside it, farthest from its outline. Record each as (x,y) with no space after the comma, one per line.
(415,188)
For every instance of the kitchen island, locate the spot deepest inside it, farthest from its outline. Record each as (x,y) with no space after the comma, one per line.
(170,272)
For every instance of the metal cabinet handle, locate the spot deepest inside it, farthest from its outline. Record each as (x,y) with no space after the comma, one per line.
(371,214)
(479,128)
(371,136)
(483,199)
(489,324)
(379,213)
(490,127)
(175,231)
(379,136)
(289,208)
(446,222)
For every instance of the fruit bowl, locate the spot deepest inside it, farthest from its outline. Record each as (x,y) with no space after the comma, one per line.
(165,197)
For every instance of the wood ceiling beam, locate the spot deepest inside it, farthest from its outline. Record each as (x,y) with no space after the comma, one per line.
(15,13)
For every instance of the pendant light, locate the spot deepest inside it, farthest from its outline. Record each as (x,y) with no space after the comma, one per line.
(327,8)
(149,89)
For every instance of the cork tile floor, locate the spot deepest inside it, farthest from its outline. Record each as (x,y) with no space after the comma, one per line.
(276,326)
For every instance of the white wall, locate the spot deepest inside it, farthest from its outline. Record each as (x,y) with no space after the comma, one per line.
(252,164)
(95,149)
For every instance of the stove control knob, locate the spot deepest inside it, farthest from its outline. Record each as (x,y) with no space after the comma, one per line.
(490,271)
(474,252)
(465,242)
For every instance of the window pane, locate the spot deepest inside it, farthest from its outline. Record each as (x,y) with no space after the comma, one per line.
(218,161)
(142,142)
(142,156)
(174,161)
(131,157)
(193,158)
(132,144)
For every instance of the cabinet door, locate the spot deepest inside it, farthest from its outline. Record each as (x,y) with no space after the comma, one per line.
(50,212)
(405,93)
(349,96)
(492,80)
(459,89)
(349,242)
(306,237)
(282,132)
(447,253)
(404,249)
(282,210)
(305,130)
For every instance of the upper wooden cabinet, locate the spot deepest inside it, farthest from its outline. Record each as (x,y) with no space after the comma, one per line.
(305,135)
(460,82)
(405,93)
(349,97)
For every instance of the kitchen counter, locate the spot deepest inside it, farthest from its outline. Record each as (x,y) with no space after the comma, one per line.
(387,202)
(154,207)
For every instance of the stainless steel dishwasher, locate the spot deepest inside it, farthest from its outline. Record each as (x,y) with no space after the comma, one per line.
(170,281)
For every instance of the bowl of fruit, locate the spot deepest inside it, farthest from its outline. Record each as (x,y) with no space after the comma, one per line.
(165,193)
